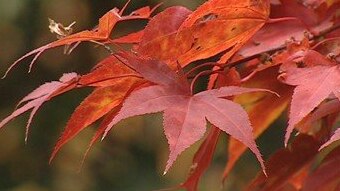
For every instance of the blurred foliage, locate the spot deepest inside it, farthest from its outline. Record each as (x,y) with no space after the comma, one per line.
(133,158)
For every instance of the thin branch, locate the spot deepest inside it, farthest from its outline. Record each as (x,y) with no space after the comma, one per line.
(203,73)
(271,51)
(201,66)
(246,59)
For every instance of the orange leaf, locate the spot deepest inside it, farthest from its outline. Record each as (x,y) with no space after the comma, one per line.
(220,25)
(96,105)
(101,33)
(108,72)
(214,27)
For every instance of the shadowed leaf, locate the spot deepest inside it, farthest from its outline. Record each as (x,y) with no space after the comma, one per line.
(285,163)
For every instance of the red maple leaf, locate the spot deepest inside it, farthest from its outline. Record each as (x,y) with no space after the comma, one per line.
(185,114)
(313,85)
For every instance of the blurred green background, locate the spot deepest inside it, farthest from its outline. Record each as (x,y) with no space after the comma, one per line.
(133,156)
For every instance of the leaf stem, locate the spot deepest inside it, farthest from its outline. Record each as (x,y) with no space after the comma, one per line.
(203,73)
(276,20)
(201,66)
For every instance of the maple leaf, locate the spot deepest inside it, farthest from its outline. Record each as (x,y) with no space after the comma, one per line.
(185,114)
(39,96)
(285,163)
(214,27)
(204,155)
(99,35)
(114,81)
(99,103)
(272,35)
(290,19)
(131,38)
(314,84)
(317,19)
(326,176)
(157,29)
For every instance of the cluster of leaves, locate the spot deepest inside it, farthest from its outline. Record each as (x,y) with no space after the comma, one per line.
(286,51)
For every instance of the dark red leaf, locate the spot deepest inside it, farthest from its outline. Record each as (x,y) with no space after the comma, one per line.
(325,109)
(285,163)
(317,19)
(327,176)
(335,137)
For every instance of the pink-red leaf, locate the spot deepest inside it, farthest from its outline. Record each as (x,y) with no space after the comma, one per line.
(204,155)
(273,35)
(317,19)
(185,115)
(314,84)
(39,96)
